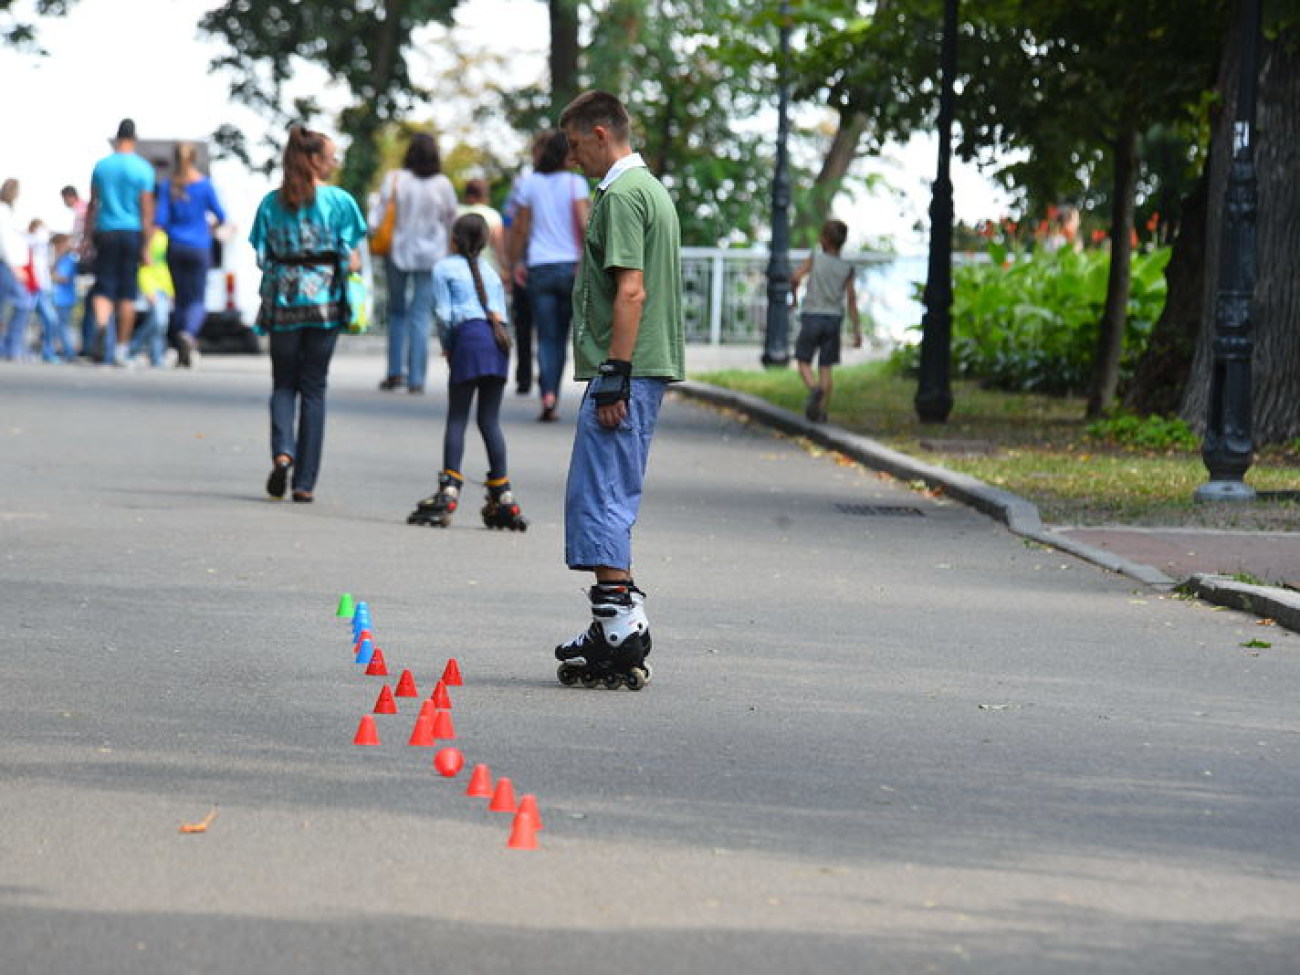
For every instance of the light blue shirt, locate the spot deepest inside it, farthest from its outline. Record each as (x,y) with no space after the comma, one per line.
(455,300)
(118,181)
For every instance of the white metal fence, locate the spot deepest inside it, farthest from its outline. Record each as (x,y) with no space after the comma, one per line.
(724,298)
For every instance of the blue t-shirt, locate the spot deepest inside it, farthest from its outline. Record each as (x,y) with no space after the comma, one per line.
(118,181)
(186,219)
(65,291)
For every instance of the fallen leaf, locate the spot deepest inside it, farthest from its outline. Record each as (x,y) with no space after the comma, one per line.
(202,825)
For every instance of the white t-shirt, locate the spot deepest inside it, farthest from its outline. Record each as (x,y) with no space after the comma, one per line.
(553,233)
(426,209)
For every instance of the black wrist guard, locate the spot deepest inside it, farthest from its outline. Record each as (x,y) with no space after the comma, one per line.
(613,384)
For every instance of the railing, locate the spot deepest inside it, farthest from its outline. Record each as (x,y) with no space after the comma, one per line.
(724,294)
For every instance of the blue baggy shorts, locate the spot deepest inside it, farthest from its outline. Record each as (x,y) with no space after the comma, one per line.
(606,474)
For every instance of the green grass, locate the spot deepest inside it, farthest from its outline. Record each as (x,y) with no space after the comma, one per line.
(1040,451)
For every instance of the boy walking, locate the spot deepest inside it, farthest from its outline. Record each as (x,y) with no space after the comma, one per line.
(830,288)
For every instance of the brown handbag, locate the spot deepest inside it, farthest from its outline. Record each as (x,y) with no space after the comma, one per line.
(381,241)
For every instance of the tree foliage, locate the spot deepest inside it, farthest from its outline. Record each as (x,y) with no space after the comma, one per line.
(17,32)
(363,46)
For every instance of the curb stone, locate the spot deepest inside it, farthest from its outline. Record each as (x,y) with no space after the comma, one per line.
(1020,516)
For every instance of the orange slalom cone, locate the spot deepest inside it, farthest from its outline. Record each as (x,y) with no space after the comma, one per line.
(440,697)
(361,637)
(377,666)
(427,710)
(422,734)
(451,674)
(480,783)
(385,703)
(528,807)
(503,799)
(523,833)
(406,685)
(442,726)
(366,733)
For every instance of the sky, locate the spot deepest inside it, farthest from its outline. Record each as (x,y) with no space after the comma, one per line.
(61,110)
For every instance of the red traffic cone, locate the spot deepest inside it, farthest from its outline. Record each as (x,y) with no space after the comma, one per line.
(480,783)
(442,726)
(406,685)
(427,710)
(363,635)
(422,734)
(528,807)
(377,666)
(503,799)
(366,733)
(385,703)
(523,833)
(448,761)
(440,697)
(451,674)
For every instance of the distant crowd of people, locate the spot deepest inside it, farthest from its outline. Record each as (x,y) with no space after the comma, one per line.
(134,265)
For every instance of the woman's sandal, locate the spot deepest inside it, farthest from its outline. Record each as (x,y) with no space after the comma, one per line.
(278,480)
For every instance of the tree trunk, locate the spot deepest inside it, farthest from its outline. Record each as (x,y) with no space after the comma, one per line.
(843,150)
(1275,312)
(1114,317)
(1160,379)
(1276,367)
(564,54)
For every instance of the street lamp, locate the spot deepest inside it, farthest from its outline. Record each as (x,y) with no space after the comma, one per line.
(1228,445)
(933,399)
(776,347)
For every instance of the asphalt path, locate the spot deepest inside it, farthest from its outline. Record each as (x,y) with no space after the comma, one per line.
(883,734)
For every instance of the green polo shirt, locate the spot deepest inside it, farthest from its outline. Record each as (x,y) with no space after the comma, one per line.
(633,225)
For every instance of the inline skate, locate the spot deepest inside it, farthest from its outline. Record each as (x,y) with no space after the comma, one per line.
(437,509)
(613,649)
(501,510)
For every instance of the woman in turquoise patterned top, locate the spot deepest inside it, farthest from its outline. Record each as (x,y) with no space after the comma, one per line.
(306,234)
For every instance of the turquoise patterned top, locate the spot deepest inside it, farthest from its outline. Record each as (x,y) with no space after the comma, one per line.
(304,255)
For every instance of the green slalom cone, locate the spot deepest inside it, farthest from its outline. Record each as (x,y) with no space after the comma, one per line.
(346,609)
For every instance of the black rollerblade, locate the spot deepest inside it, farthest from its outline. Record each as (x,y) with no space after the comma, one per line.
(613,649)
(501,510)
(437,509)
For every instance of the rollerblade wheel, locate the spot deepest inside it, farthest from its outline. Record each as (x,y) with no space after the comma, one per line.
(637,679)
(589,681)
(568,674)
(613,681)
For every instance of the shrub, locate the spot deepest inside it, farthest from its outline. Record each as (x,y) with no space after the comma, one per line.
(1143,432)
(1028,322)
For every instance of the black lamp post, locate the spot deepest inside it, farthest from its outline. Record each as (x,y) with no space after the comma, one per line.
(776,347)
(1228,444)
(933,399)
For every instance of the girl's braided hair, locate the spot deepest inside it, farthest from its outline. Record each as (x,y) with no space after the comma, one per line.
(469,234)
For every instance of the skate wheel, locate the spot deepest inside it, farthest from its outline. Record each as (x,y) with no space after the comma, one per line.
(588,681)
(637,679)
(613,681)
(568,674)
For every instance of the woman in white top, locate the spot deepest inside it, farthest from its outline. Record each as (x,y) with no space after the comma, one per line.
(426,209)
(545,244)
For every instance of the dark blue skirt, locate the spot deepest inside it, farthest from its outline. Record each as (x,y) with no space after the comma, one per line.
(475,353)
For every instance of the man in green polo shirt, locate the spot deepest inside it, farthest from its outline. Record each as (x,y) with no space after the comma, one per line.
(628,344)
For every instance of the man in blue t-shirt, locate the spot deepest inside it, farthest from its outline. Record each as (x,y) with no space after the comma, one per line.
(121,209)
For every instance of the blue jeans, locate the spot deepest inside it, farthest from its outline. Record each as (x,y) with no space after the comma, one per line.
(409,324)
(300,365)
(189,270)
(62,335)
(550,297)
(15,294)
(606,473)
(151,329)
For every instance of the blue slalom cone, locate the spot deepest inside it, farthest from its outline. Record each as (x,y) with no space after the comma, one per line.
(366,652)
